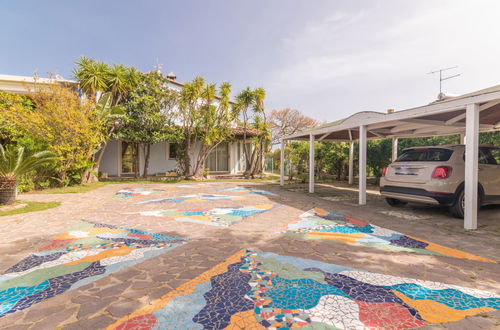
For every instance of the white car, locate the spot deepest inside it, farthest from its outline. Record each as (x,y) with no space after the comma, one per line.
(435,175)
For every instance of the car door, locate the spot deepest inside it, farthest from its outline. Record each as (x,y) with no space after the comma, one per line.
(489,171)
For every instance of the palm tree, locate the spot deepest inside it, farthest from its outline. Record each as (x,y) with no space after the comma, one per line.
(243,102)
(120,80)
(92,75)
(14,163)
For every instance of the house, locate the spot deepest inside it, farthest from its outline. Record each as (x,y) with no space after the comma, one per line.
(119,158)
(227,158)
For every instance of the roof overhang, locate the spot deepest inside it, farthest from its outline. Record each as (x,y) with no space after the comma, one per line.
(24,84)
(445,117)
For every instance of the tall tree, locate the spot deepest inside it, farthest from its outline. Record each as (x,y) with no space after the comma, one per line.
(71,129)
(288,121)
(115,82)
(251,106)
(206,116)
(189,108)
(148,111)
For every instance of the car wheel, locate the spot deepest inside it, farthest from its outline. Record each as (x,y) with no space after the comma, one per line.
(458,206)
(394,202)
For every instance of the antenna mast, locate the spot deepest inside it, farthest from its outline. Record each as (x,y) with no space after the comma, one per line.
(441,78)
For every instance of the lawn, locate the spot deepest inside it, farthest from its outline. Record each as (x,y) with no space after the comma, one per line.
(31,207)
(71,189)
(91,186)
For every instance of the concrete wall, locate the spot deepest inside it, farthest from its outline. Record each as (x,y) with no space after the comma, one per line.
(111,160)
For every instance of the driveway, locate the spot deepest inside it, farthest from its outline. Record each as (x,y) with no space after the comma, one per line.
(244,255)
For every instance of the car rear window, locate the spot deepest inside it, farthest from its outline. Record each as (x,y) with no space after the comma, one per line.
(425,155)
(489,156)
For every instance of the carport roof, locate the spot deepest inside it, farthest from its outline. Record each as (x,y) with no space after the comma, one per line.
(443,117)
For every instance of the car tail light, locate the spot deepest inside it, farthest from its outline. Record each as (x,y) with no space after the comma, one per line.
(441,172)
(384,171)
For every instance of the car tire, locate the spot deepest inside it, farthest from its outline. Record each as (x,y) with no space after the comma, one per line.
(394,202)
(457,208)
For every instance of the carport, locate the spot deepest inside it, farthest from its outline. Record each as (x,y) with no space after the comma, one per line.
(466,115)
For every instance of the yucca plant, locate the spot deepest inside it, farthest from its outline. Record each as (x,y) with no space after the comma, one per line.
(14,163)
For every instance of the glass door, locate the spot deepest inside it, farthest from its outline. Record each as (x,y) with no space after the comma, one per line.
(218,159)
(128,158)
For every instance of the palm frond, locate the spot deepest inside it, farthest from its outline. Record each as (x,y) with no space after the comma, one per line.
(16,162)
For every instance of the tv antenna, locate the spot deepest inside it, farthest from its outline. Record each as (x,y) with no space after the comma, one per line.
(441,78)
(158,66)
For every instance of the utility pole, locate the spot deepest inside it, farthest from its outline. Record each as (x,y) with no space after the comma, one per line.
(441,79)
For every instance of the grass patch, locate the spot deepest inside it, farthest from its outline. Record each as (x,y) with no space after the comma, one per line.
(91,186)
(71,189)
(31,207)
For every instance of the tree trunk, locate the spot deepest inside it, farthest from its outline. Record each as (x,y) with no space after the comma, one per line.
(200,168)
(147,152)
(186,159)
(136,160)
(8,190)
(251,170)
(92,175)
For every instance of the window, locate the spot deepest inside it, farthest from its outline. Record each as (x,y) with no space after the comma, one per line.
(172,150)
(489,156)
(425,155)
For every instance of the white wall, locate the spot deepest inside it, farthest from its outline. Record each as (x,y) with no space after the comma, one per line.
(111,162)
(158,159)
(159,162)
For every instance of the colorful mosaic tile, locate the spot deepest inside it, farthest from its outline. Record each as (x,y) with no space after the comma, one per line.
(248,190)
(86,253)
(326,225)
(220,216)
(134,192)
(193,198)
(259,290)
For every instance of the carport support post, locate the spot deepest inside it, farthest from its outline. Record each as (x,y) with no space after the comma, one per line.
(311,163)
(282,163)
(394,149)
(362,165)
(471,166)
(351,162)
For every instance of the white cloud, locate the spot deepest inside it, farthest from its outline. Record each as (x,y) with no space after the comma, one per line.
(383,53)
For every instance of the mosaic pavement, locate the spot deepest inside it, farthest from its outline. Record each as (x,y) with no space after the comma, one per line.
(193,198)
(134,192)
(325,225)
(198,185)
(220,216)
(87,252)
(258,290)
(248,190)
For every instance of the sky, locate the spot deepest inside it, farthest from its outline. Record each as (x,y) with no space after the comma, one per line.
(328,59)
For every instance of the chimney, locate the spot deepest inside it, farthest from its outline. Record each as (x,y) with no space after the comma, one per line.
(171,76)
(391,110)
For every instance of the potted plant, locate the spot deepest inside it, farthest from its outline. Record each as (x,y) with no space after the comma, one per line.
(14,163)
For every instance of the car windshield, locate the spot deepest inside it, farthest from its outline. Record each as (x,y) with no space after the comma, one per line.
(425,155)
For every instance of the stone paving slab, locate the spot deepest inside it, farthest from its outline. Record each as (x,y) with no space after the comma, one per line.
(107,300)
